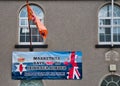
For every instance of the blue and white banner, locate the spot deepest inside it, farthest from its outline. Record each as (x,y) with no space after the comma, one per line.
(47,65)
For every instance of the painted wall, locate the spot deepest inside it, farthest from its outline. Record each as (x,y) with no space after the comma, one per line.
(72,25)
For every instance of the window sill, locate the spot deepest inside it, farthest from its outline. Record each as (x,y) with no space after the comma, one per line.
(107,46)
(33,46)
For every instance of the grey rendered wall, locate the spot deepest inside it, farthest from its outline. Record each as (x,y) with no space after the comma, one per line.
(72,25)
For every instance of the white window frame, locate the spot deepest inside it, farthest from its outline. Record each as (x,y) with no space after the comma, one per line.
(32,26)
(111,26)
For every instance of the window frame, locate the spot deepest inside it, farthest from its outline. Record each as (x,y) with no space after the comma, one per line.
(108,82)
(32,26)
(110,26)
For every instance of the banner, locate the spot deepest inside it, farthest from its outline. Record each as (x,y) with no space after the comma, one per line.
(47,65)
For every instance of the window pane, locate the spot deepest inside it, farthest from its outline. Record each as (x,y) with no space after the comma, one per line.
(24,22)
(119,83)
(35,31)
(37,11)
(112,84)
(118,29)
(116,11)
(115,37)
(21,32)
(116,34)
(34,39)
(119,37)
(107,31)
(116,21)
(104,83)
(105,34)
(102,30)
(24,30)
(32,23)
(27,39)
(108,78)
(37,39)
(40,39)
(106,11)
(102,38)
(23,12)
(108,38)
(116,78)
(22,38)
(115,30)
(105,21)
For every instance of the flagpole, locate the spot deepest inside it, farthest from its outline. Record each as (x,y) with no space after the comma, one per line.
(31,48)
(30,37)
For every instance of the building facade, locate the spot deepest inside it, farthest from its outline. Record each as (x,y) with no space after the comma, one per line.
(75,25)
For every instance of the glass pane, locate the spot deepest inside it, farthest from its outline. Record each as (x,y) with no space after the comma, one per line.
(116,21)
(24,22)
(115,78)
(21,31)
(22,38)
(37,39)
(102,38)
(119,83)
(116,11)
(40,38)
(108,78)
(24,31)
(119,37)
(104,83)
(37,10)
(115,37)
(112,84)
(23,12)
(107,31)
(34,31)
(108,38)
(27,39)
(105,21)
(114,30)
(32,23)
(102,30)
(34,39)
(118,29)
(106,11)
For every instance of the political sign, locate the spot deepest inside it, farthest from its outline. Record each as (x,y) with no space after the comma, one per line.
(47,65)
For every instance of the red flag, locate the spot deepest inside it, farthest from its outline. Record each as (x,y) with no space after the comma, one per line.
(41,28)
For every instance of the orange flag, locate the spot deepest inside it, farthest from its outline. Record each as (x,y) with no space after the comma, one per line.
(32,16)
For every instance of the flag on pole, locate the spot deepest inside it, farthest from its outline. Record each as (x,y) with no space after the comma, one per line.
(32,16)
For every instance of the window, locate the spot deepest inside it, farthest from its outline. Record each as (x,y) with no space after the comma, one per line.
(108,27)
(111,80)
(31,83)
(24,36)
